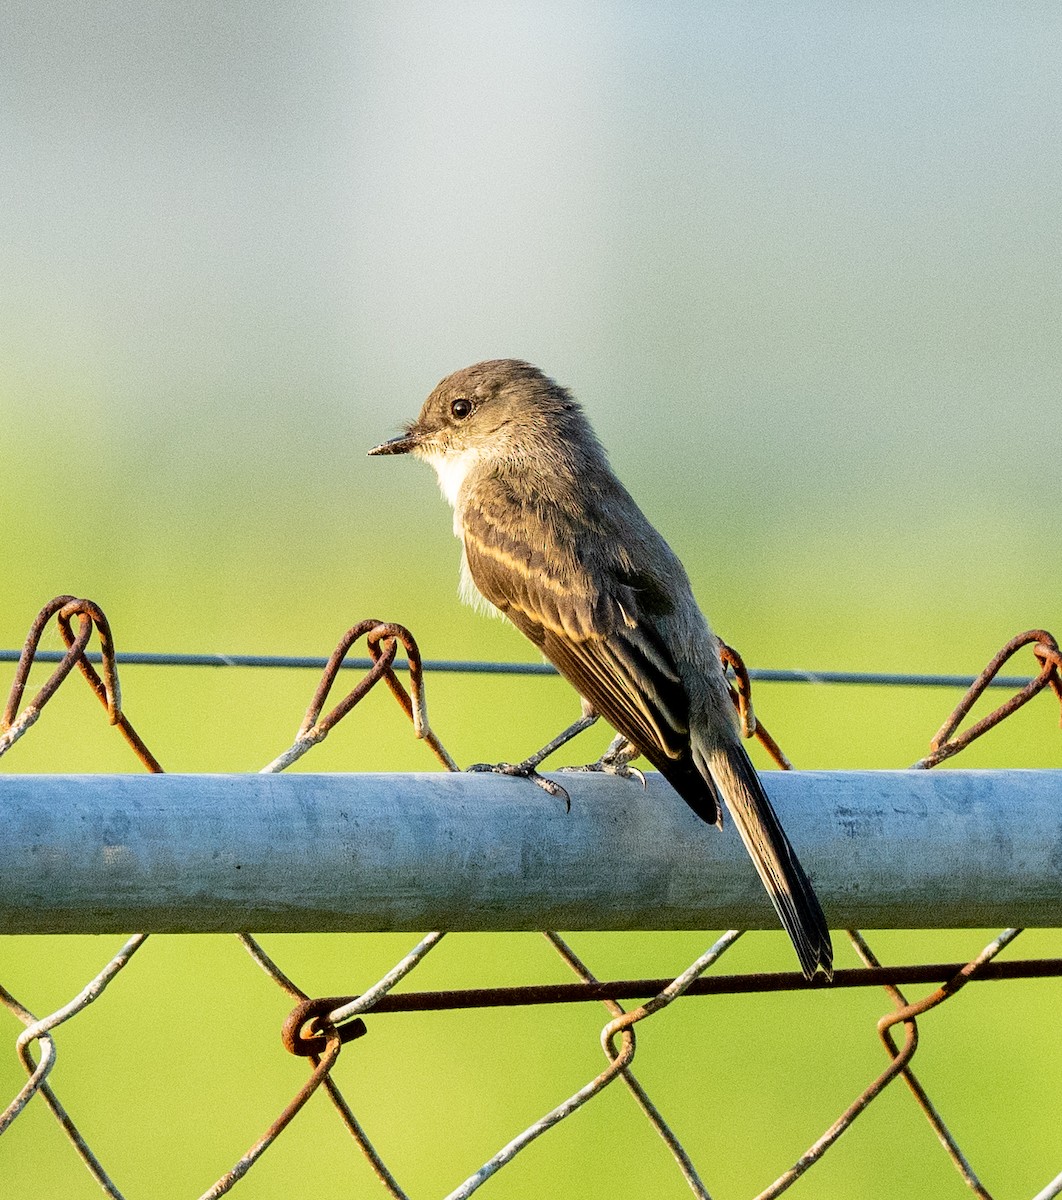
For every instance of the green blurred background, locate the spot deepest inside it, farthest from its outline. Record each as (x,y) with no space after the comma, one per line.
(801,263)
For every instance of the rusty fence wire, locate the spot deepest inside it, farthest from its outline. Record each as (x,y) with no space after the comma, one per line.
(318,1028)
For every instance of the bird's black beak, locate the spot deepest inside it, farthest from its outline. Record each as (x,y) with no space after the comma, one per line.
(398,445)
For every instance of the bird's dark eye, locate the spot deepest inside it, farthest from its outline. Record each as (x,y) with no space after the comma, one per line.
(461,408)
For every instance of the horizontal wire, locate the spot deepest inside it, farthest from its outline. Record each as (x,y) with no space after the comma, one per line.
(297,661)
(461,667)
(711,985)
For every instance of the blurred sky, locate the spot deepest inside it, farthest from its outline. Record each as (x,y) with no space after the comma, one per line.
(800,262)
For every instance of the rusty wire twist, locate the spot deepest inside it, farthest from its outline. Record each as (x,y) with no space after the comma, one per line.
(382,639)
(329,1041)
(106,688)
(944,743)
(317,1029)
(740,687)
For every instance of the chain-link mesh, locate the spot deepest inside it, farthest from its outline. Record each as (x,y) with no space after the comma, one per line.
(318,1028)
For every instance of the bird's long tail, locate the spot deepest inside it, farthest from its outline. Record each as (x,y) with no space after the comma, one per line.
(735,778)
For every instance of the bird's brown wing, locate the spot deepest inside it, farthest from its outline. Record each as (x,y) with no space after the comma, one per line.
(593,630)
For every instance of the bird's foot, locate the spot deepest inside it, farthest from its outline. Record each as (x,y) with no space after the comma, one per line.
(525,770)
(607,765)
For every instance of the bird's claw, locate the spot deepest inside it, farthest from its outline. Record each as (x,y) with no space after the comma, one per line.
(525,771)
(605,767)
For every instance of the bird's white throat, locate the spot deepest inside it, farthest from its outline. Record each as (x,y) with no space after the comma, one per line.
(452,470)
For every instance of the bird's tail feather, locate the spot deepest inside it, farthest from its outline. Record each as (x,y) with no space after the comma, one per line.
(693,785)
(789,888)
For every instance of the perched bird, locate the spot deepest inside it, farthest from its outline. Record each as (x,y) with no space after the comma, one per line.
(555,542)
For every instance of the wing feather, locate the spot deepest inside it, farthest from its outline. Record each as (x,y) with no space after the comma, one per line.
(592,630)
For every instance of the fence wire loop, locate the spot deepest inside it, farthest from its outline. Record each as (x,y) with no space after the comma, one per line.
(106,688)
(740,684)
(346,1115)
(906,1013)
(40,1031)
(316,727)
(945,744)
(28,653)
(383,639)
(653,1114)
(307,1029)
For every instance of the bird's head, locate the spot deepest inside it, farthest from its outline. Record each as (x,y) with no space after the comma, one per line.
(499,409)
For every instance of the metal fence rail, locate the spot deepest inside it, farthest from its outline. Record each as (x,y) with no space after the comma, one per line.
(377,852)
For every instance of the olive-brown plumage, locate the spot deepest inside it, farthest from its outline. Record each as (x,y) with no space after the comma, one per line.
(555,542)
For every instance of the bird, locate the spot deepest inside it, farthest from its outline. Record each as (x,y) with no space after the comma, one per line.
(554,541)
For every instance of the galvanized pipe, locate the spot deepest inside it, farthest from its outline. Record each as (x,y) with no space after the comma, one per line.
(310,852)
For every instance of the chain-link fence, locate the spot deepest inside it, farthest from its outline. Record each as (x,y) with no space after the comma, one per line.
(318,1028)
